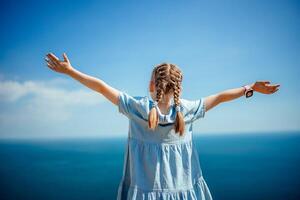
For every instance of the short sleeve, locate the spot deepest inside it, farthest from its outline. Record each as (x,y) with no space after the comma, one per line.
(198,110)
(128,105)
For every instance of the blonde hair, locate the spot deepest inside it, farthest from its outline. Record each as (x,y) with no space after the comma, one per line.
(167,78)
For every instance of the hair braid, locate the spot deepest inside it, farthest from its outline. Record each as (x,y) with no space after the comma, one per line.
(177,79)
(160,74)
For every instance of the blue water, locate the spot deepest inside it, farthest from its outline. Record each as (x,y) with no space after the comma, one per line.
(251,166)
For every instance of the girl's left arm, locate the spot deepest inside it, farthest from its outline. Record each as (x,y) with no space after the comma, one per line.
(91,82)
(231,94)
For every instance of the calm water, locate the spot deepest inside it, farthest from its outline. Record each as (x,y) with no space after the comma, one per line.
(242,167)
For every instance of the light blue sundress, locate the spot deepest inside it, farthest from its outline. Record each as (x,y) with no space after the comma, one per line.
(160,164)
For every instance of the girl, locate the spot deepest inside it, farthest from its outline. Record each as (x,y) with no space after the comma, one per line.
(161,161)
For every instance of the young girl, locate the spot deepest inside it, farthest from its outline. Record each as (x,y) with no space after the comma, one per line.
(161,161)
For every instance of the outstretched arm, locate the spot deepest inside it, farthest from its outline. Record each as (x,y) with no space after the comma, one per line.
(231,94)
(91,82)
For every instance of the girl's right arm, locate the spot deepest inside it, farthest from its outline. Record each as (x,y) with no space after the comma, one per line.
(263,87)
(91,82)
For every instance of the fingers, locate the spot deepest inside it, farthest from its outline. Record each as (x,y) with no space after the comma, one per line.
(50,64)
(265,82)
(274,88)
(66,59)
(51,67)
(53,58)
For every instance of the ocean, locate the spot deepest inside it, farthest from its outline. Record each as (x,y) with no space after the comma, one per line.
(235,166)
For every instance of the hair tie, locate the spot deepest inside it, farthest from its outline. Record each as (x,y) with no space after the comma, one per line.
(178,108)
(155,103)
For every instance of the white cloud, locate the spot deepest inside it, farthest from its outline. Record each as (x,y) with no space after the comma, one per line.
(42,100)
(11,90)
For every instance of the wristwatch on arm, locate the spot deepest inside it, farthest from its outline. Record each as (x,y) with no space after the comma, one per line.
(248,91)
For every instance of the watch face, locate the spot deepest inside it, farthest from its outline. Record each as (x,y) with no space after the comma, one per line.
(249,93)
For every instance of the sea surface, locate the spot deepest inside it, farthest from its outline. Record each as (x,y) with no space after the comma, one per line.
(237,166)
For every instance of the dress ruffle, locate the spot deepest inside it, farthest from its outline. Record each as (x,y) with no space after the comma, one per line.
(199,191)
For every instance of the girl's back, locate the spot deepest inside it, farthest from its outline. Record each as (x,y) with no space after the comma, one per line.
(161,164)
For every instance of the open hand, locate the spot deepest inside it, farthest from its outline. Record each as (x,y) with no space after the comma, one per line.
(265,87)
(57,65)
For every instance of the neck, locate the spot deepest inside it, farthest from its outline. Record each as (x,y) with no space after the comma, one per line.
(165,103)
(164,107)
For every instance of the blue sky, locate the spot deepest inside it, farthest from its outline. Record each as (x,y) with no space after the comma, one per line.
(217,44)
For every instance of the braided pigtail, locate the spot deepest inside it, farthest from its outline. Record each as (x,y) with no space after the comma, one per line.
(176,78)
(153,118)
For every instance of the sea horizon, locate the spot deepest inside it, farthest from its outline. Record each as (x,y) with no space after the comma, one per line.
(115,136)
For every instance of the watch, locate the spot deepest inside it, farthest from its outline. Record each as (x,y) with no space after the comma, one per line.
(248,91)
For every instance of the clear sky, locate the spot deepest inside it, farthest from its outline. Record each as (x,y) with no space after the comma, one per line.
(217,44)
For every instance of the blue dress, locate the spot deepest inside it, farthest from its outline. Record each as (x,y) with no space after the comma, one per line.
(160,164)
